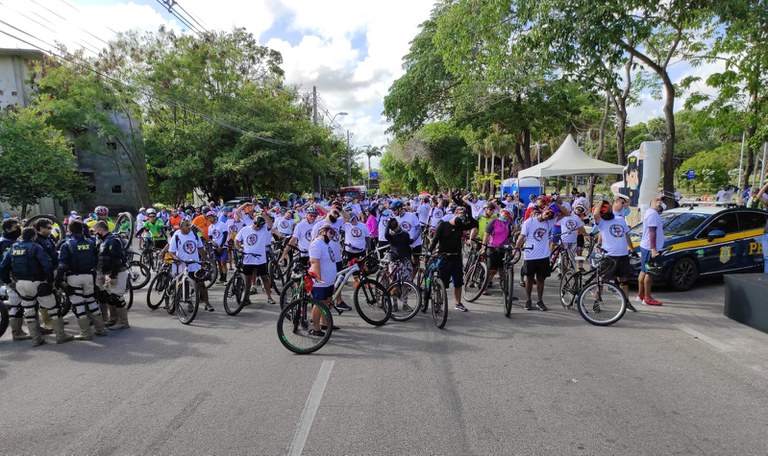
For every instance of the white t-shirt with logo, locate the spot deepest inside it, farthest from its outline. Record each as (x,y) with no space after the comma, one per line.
(234,227)
(537,236)
(355,236)
(437,217)
(336,240)
(187,248)
(254,244)
(651,218)
(569,227)
(614,236)
(383,222)
(409,223)
(319,250)
(216,233)
(285,225)
(303,232)
(423,213)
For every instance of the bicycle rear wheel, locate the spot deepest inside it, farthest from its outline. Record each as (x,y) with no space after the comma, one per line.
(509,278)
(372,302)
(570,286)
(158,290)
(295,322)
(439,304)
(4,318)
(139,274)
(234,294)
(474,281)
(276,275)
(405,300)
(187,311)
(602,304)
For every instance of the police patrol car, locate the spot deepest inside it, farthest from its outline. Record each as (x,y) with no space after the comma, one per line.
(706,240)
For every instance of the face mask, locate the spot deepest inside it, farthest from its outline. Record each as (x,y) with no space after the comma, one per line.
(626,211)
(13,235)
(502,218)
(332,219)
(327,238)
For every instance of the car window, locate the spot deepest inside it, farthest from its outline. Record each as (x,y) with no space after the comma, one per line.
(679,223)
(726,222)
(749,220)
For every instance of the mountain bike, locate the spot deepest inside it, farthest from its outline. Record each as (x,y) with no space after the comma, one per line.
(511,258)
(405,296)
(4,316)
(475,272)
(160,291)
(433,290)
(234,291)
(186,291)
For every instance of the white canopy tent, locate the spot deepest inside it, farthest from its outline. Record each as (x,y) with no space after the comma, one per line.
(570,160)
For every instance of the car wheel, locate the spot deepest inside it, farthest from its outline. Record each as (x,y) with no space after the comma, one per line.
(684,274)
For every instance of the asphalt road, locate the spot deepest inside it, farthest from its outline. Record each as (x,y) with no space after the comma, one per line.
(679,379)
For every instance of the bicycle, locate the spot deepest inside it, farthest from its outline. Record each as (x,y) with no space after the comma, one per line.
(186,290)
(210,252)
(401,289)
(432,289)
(159,288)
(234,291)
(511,258)
(475,273)
(4,316)
(599,302)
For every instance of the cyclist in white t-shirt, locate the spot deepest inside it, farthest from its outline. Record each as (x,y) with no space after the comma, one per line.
(534,234)
(218,236)
(186,245)
(615,240)
(253,240)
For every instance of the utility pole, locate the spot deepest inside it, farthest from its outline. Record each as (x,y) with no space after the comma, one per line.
(318,187)
(349,163)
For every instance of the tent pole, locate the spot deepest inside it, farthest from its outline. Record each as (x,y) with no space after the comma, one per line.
(741,158)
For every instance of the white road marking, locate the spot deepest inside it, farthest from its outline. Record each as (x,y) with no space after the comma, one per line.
(706,339)
(310,409)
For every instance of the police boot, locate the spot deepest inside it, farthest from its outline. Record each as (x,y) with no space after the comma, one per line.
(34,331)
(45,317)
(16,331)
(98,324)
(122,318)
(85,329)
(61,336)
(112,320)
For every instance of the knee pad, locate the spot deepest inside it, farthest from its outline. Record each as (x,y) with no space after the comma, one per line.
(14,311)
(44,289)
(102,296)
(93,307)
(116,300)
(30,313)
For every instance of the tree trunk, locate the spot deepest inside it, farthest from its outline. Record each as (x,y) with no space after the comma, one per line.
(491,184)
(526,148)
(519,154)
(23,211)
(601,132)
(621,129)
(502,168)
(669,144)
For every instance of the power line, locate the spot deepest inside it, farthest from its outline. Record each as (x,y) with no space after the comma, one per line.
(191,17)
(168,5)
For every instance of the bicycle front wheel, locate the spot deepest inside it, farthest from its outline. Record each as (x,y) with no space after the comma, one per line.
(405,299)
(474,281)
(509,278)
(186,311)
(234,294)
(276,275)
(372,302)
(290,292)
(295,322)
(128,296)
(158,290)
(439,304)
(602,304)
(139,274)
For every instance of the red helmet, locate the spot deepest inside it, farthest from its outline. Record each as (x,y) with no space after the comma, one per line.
(101,210)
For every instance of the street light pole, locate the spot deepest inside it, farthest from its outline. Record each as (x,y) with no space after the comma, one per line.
(349,164)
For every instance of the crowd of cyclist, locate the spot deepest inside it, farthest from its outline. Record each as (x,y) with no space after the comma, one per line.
(91,264)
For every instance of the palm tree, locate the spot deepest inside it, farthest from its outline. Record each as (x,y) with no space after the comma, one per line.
(372,151)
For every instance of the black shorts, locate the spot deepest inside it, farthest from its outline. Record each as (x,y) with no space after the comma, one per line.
(538,268)
(451,269)
(622,268)
(495,258)
(339,266)
(417,250)
(580,241)
(352,255)
(259,269)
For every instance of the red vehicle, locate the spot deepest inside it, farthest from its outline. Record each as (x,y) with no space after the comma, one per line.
(355,191)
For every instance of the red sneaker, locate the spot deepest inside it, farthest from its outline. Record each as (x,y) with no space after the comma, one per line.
(651,301)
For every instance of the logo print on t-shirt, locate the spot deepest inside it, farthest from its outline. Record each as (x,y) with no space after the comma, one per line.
(252,239)
(283,224)
(539,234)
(406,227)
(308,235)
(570,225)
(190,247)
(216,234)
(356,232)
(617,231)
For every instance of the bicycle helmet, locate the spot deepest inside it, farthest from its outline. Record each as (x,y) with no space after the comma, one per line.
(101,210)
(396,205)
(211,214)
(151,211)
(142,209)
(259,221)
(312,210)
(205,209)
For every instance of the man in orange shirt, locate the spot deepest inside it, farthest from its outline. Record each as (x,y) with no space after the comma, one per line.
(202,223)
(175,219)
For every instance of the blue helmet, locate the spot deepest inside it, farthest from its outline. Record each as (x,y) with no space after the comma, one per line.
(396,205)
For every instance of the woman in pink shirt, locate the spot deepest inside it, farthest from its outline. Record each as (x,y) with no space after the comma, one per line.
(373,227)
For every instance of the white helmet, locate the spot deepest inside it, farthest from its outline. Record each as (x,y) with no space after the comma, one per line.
(142,209)
(151,211)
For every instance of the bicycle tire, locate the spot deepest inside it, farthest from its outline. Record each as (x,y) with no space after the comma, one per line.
(293,326)
(213,273)
(290,292)
(509,277)
(128,295)
(186,315)
(122,217)
(233,294)
(158,290)
(63,302)
(475,280)
(376,308)
(570,286)
(139,274)
(439,304)
(602,312)
(405,300)
(275,276)
(5,319)
(55,222)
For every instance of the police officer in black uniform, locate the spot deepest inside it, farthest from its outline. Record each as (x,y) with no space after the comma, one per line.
(11,233)
(76,274)
(112,275)
(31,267)
(44,228)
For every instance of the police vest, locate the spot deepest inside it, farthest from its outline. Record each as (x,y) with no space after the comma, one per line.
(112,251)
(82,255)
(24,263)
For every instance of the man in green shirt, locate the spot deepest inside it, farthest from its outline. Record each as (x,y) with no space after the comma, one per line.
(156,227)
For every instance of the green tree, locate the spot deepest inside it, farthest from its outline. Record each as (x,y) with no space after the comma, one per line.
(713,167)
(36,160)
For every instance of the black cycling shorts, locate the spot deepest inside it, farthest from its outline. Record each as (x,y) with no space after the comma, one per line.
(622,268)
(451,269)
(495,258)
(580,241)
(259,269)
(538,268)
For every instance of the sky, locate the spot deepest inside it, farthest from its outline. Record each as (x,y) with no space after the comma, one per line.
(351,50)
